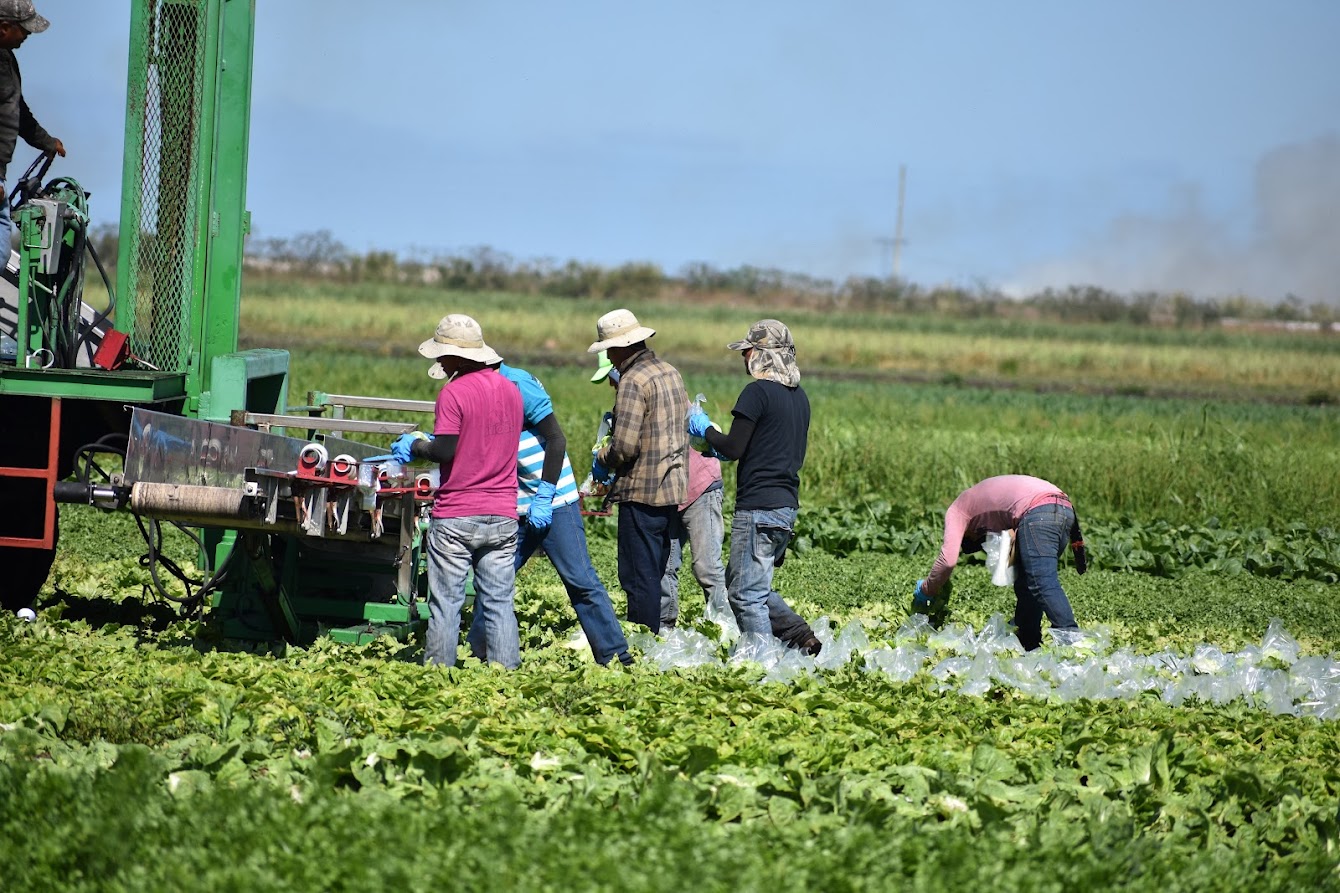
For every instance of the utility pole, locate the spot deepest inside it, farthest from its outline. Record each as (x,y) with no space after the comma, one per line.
(896,243)
(898,227)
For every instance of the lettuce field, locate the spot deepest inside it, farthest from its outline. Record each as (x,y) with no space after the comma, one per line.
(1186,740)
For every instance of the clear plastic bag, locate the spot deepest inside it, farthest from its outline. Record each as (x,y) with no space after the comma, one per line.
(778,662)
(700,443)
(1077,665)
(838,649)
(590,487)
(956,637)
(678,647)
(998,546)
(718,611)
(900,663)
(998,635)
(1278,644)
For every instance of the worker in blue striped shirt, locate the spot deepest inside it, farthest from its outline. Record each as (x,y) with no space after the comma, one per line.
(550,511)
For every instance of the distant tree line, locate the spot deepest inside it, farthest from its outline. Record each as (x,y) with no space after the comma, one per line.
(320,256)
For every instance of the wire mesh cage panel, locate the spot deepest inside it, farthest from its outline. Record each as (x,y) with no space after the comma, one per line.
(162,198)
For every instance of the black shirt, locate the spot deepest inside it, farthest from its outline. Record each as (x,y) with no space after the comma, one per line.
(15,118)
(768,475)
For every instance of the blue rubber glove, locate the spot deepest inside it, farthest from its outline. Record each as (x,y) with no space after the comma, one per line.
(921,601)
(698,422)
(599,473)
(401,448)
(541,513)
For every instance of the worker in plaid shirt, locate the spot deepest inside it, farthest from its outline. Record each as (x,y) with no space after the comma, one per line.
(647,459)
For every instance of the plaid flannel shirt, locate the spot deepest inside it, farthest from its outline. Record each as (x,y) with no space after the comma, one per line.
(649,444)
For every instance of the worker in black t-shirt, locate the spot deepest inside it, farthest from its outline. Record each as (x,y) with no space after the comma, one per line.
(769,430)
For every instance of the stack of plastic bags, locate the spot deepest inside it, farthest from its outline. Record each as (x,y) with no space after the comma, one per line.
(1072,665)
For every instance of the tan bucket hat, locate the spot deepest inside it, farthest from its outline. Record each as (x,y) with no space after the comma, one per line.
(618,328)
(458,335)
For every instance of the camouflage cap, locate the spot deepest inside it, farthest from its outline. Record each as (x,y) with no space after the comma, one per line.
(23,12)
(772,352)
(769,334)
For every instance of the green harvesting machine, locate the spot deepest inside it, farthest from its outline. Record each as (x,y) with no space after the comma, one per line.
(147,405)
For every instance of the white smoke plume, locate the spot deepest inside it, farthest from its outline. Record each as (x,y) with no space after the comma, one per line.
(1292,249)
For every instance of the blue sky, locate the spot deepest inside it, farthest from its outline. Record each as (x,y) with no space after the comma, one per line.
(1138,145)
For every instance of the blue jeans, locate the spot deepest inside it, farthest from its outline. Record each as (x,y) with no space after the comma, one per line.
(565,543)
(486,543)
(758,540)
(1042,537)
(645,532)
(702,527)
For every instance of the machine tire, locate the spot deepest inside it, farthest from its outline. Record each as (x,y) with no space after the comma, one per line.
(26,572)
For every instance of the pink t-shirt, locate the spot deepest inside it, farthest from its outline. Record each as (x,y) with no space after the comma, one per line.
(484,410)
(704,471)
(993,505)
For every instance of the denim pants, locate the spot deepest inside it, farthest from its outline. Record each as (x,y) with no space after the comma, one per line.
(701,526)
(758,538)
(486,543)
(564,541)
(645,532)
(1042,537)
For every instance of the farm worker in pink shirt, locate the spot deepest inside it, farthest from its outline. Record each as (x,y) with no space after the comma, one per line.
(1042,521)
(476,427)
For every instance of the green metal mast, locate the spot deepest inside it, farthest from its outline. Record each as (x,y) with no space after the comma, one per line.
(183,214)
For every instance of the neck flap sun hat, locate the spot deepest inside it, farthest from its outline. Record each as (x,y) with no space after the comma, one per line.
(23,12)
(773,354)
(619,328)
(458,335)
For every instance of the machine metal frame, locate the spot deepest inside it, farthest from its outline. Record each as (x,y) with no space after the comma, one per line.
(168,348)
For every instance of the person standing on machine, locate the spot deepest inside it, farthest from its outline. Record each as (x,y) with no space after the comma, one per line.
(18,19)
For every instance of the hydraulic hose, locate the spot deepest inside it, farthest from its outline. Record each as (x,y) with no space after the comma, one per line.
(106,312)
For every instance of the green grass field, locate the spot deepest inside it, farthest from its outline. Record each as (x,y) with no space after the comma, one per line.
(384,320)
(1186,744)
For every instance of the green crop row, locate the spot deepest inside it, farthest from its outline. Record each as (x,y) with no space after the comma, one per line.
(139,752)
(149,756)
(1161,549)
(142,752)
(391,320)
(1183,462)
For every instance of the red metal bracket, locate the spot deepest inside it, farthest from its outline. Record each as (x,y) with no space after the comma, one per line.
(48,474)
